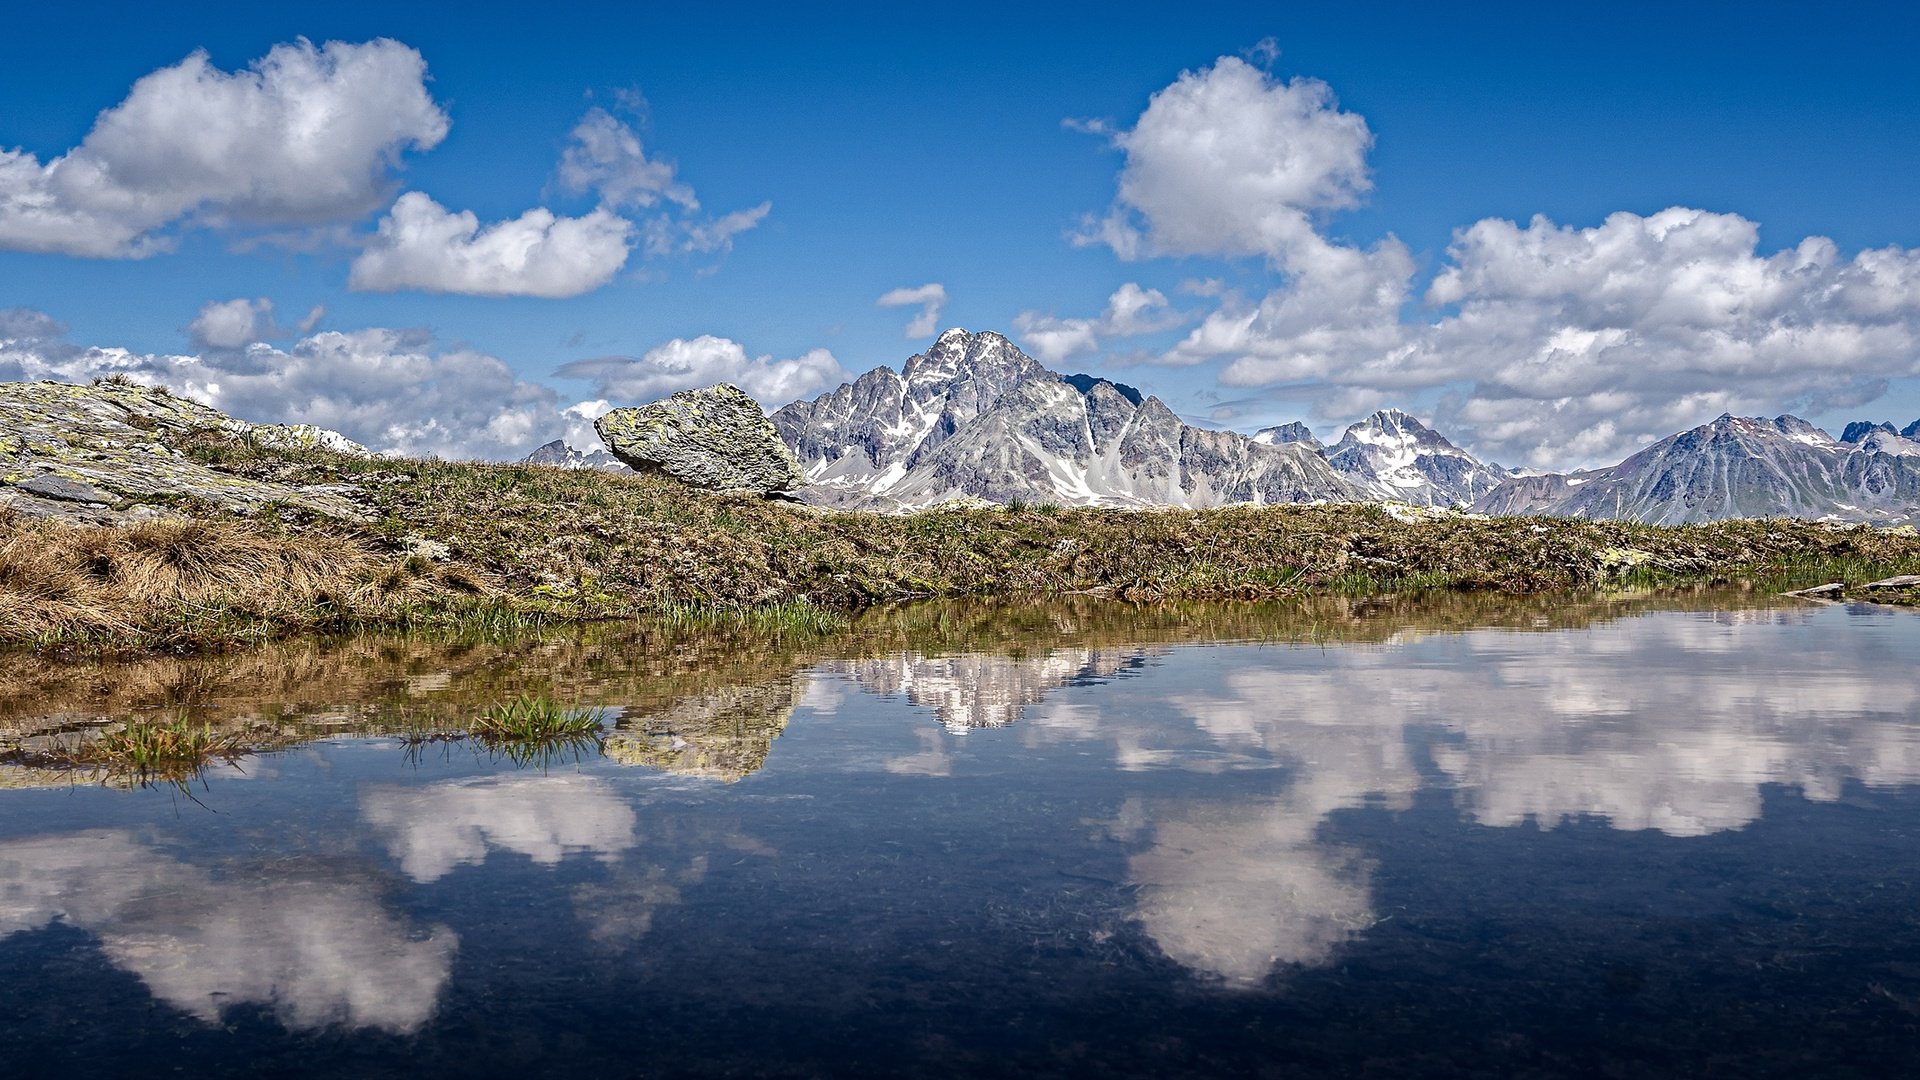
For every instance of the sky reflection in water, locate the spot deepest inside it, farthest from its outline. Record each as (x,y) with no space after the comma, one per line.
(1033,815)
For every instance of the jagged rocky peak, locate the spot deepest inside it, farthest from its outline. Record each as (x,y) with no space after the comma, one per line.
(973,417)
(1086,383)
(1763,430)
(1862,432)
(1295,432)
(986,361)
(1396,428)
(1395,456)
(1860,429)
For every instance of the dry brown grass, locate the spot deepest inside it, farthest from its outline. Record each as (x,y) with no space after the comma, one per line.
(185,582)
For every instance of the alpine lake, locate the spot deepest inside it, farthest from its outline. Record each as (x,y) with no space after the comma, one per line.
(1624,835)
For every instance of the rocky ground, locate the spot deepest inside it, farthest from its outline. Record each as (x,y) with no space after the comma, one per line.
(116,453)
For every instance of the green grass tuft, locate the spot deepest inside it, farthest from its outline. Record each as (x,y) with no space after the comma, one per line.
(530,718)
(144,751)
(798,617)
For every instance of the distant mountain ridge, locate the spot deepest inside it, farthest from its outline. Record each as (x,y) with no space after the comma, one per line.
(1736,467)
(560,454)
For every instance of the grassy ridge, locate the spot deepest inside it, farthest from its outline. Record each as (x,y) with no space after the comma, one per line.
(504,547)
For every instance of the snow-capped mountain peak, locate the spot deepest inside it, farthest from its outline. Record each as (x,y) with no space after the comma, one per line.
(1295,432)
(1739,466)
(1395,456)
(974,417)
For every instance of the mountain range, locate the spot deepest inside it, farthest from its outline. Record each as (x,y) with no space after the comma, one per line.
(974,418)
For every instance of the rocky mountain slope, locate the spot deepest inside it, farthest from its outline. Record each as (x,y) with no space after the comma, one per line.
(1295,432)
(1737,467)
(974,417)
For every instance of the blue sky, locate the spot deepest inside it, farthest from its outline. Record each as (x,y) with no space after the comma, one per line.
(899,147)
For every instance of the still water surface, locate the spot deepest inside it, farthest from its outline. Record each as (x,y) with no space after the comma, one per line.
(1545,836)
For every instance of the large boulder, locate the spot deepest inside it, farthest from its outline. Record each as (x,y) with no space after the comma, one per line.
(717,438)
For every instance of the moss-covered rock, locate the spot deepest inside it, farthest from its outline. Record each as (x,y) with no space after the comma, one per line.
(716,438)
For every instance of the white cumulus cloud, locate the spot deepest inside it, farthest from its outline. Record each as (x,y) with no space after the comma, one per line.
(1130,312)
(1645,325)
(1556,346)
(423,245)
(229,324)
(306,134)
(929,298)
(1230,161)
(682,363)
(604,154)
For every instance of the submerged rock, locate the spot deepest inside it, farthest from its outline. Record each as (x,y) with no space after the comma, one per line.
(716,438)
(107,454)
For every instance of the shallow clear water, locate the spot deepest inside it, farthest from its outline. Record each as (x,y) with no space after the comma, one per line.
(1488,837)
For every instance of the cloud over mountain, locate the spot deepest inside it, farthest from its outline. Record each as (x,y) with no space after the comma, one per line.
(929,298)
(391,390)
(1130,312)
(702,361)
(1548,343)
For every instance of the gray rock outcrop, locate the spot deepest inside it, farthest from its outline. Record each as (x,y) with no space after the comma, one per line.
(110,453)
(716,438)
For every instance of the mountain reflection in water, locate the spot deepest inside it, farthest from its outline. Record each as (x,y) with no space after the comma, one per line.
(958,814)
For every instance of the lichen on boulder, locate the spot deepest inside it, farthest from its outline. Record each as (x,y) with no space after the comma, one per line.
(717,438)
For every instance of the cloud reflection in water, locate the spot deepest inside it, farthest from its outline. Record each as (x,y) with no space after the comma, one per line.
(317,950)
(433,829)
(1670,722)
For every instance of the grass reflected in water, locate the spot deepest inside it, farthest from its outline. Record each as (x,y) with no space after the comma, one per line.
(704,693)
